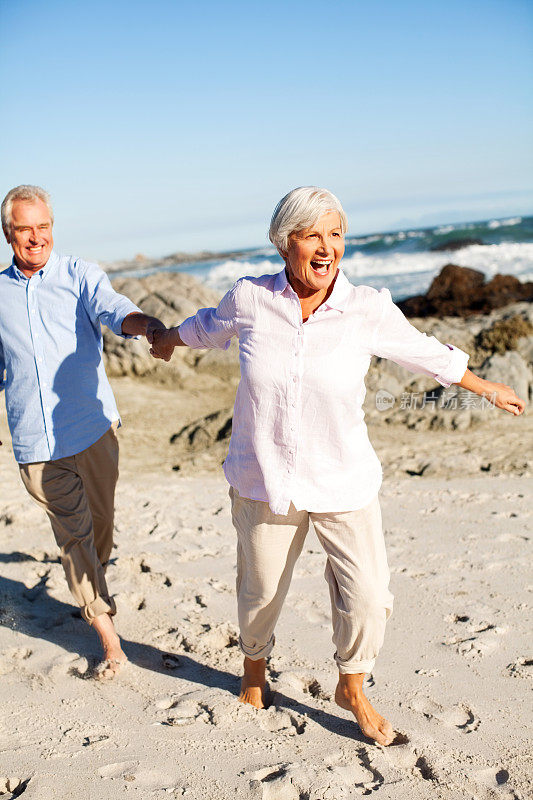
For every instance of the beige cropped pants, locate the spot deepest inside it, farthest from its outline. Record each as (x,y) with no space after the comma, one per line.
(357,573)
(78,494)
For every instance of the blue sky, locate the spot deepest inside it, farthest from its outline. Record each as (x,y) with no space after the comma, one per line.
(177,126)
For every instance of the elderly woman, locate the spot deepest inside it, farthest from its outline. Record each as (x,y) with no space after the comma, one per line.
(299,450)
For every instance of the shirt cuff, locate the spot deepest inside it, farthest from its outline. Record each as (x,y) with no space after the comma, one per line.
(456,368)
(120,316)
(187,332)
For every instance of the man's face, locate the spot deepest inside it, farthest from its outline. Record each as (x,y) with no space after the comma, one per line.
(30,235)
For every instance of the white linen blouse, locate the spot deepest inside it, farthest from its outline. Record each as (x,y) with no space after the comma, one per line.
(298,425)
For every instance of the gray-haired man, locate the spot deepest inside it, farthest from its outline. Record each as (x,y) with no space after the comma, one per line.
(60,408)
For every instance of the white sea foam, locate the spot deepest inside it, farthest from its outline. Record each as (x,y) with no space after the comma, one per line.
(507,257)
(224,275)
(510,258)
(500,223)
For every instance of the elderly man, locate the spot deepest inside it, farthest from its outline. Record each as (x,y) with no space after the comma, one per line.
(60,408)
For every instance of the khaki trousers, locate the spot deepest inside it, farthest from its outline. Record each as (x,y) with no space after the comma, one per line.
(78,494)
(357,573)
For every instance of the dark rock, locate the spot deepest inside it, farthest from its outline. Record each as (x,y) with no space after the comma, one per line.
(454,244)
(504,289)
(461,291)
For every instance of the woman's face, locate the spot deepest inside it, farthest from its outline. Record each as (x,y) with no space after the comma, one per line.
(313,255)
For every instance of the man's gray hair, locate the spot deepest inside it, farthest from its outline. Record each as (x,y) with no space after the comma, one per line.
(23,192)
(299,209)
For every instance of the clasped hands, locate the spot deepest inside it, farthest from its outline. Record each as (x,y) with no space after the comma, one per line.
(162,340)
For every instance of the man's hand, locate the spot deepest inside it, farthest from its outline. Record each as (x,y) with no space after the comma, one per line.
(152,326)
(138,324)
(163,343)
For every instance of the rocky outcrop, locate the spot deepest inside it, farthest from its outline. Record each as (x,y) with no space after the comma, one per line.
(461,291)
(204,442)
(171,296)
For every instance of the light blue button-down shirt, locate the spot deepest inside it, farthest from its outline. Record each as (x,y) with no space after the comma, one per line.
(58,398)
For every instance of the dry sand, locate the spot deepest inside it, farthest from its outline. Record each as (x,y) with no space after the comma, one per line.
(454,675)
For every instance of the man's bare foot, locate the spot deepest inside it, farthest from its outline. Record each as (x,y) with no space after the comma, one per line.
(349,695)
(114,657)
(253,683)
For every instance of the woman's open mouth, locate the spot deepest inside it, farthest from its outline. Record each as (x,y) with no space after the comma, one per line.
(321,267)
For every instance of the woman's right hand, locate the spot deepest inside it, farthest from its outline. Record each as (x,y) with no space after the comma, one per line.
(163,343)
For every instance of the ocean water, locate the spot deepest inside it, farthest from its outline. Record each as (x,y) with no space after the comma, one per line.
(401,260)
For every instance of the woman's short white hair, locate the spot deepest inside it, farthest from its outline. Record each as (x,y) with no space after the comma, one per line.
(299,209)
(23,192)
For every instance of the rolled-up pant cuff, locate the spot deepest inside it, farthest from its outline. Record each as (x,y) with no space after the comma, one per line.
(98,606)
(355,667)
(257,652)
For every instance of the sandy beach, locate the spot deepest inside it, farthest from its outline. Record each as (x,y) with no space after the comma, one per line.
(453,677)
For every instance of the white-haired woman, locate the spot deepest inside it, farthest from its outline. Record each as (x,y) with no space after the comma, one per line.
(299,450)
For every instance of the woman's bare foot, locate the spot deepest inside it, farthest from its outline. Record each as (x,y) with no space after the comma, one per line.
(114,657)
(349,695)
(253,683)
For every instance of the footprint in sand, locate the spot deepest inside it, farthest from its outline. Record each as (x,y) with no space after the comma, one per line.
(185,709)
(306,684)
(276,783)
(495,779)
(218,637)
(135,600)
(338,778)
(411,761)
(142,565)
(220,586)
(118,769)
(521,668)
(280,720)
(459,715)
(11,787)
(170,661)
(78,666)
(476,637)
(358,772)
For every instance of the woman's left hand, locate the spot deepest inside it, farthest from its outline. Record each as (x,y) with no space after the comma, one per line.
(501,395)
(504,397)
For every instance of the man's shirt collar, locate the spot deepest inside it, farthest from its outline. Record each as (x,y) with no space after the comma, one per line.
(19,276)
